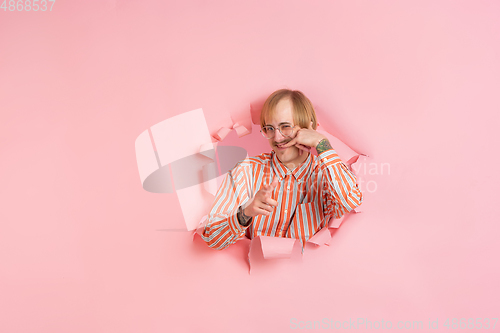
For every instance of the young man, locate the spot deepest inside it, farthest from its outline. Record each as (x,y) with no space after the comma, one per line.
(288,192)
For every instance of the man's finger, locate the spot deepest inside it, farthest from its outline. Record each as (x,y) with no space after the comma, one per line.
(266,190)
(289,143)
(266,208)
(262,211)
(302,147)
(271,202)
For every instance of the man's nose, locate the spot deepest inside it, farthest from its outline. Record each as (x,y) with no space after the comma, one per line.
(278,137)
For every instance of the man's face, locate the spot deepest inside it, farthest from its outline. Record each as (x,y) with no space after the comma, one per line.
(284,114)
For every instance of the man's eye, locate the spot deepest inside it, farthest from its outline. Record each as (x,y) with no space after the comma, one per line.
(286,126)
(268,129)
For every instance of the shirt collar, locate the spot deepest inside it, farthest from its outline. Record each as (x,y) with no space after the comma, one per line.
(299,172)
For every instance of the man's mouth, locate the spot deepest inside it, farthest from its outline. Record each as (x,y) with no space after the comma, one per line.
(278,145)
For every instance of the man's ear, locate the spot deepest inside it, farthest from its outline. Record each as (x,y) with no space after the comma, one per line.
(311,125)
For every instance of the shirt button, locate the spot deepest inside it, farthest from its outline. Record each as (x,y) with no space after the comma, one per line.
(288,187)
(286,211)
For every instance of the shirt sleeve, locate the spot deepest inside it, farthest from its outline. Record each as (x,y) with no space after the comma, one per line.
(222,228)
(341,187)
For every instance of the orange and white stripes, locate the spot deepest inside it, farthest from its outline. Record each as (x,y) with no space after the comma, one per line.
(320,188)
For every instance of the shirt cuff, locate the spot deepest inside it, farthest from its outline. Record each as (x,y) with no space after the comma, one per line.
(329,157)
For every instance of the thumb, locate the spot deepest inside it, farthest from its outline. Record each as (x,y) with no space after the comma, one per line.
(269,188)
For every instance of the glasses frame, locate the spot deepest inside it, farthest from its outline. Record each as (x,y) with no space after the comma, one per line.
(279,129)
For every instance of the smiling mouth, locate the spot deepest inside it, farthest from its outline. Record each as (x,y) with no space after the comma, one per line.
(281,143)
(280,148)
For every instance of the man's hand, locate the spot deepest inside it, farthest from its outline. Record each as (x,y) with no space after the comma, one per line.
(304,138)
(262,203)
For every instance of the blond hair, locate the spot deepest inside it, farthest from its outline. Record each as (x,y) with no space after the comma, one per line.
(303,111)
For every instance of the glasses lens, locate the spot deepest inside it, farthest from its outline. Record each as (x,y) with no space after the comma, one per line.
(286,130)
(268,132)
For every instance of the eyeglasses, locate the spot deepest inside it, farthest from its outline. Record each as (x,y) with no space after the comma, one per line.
(285,129)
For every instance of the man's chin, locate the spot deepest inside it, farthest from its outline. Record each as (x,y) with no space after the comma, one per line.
(279,150)
(287,153)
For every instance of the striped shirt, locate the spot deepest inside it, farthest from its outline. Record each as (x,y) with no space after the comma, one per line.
(320,188)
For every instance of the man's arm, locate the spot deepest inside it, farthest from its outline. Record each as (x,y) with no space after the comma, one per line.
(323,145)
(342,191)
(223,227)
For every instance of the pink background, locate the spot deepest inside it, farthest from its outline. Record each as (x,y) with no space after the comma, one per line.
(410,83)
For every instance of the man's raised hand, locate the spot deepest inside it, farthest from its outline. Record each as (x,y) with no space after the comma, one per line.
(304,139)
(262,203)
